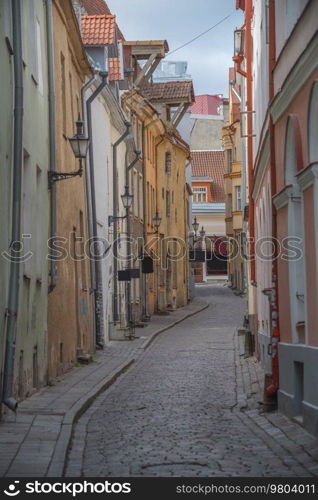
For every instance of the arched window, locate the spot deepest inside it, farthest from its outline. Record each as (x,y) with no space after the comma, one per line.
(313,124)
(293,163)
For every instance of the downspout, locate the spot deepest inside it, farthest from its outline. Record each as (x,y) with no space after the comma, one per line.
(52,141)
(98,293)
(13,298)
(249,99)
(271,390)
(115,211)
(88,196)
(145,316)
(129,258)
(159,243)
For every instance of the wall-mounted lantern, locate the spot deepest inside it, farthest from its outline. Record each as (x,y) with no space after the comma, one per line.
(79,144)
(195,226)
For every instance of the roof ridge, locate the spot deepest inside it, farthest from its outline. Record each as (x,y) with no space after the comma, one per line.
(99,15)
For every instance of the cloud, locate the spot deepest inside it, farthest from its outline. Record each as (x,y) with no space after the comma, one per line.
(178,21)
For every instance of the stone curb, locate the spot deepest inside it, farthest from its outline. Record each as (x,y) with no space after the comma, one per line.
(149,341)
(56,467)
(58,461)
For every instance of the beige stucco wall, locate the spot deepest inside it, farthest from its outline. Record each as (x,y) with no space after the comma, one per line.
(70,315)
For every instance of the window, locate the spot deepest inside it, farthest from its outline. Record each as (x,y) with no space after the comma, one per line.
(71,98)
(163,193)
(229,160)
(140,196)
(135,192)
(27,212)
(39,63)
(148,203)
(229,204)
(168,163)
(82,246)
(35,48)
(7,24)
(63,90)
(238,197)
(39,221)
(167,203)
(200,194)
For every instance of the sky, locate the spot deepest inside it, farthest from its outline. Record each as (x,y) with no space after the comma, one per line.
(178,21)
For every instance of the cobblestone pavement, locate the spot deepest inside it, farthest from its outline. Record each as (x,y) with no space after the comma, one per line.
(188,408)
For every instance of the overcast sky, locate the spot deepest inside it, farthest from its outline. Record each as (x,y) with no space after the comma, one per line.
(178,21)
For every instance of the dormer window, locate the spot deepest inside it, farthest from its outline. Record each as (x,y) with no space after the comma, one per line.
(200,194)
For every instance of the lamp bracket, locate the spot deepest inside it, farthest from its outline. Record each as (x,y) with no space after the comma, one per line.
(112,218)
(60,176)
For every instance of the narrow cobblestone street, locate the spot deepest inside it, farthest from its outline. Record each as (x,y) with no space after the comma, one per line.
(183,409)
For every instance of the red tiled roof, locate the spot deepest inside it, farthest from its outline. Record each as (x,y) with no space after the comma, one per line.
(169,91)
(98,30)
(95,7)
(207,104)
(210,164)
(114,69)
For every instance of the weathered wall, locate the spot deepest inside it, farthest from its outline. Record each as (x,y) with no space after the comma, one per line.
(206,132)
(70,315)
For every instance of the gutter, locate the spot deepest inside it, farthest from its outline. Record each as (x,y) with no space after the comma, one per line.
(98,292)
(15,245)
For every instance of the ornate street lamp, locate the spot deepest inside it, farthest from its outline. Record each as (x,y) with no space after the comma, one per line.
(202,232)
(79,144)
(156,220)
(195,225)
(127,198)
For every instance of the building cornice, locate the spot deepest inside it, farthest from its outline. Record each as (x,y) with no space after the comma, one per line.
(297,77)
(263,162)
(307,176)
(282,198)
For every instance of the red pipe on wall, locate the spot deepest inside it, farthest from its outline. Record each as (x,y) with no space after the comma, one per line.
(272,389)
(249,106)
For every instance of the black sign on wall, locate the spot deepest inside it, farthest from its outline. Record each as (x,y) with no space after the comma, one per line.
(147,265)
(197,255)
(128,274)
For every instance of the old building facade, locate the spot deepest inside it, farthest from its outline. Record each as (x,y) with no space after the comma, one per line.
(233,188)
(279,88)
(71,304)
(25,199)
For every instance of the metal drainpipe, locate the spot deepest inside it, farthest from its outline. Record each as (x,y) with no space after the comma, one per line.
(52,141)
(88,197)
(270,399)
(129,258)
(115,211)
(13,298)
(144,209)
(97,292)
